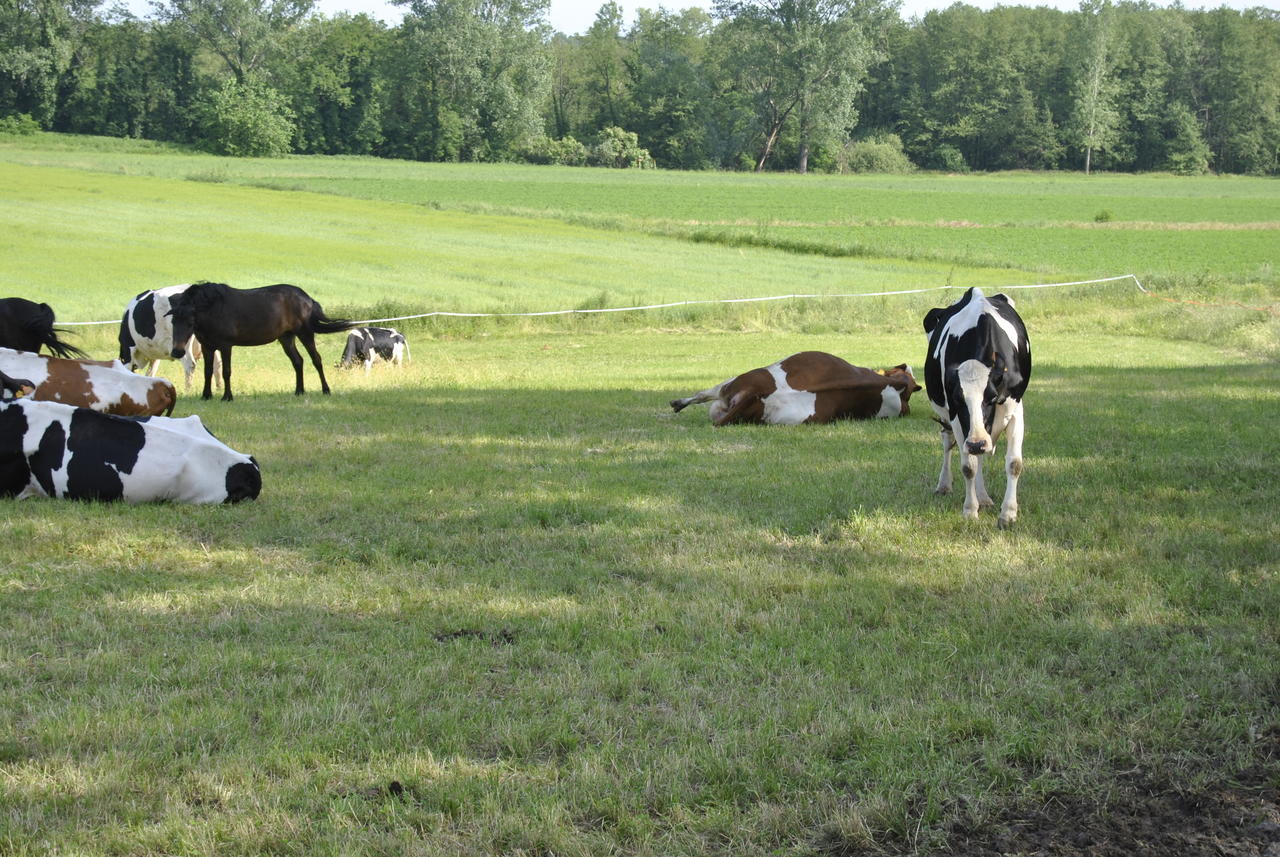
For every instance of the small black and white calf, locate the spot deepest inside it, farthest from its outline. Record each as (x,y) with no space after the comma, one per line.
(53,450)
(976,373)
(370,344)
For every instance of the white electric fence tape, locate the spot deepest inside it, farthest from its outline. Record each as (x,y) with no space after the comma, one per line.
(449,314)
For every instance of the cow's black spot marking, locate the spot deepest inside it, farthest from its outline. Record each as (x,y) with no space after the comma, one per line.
(144,317)
(102,447)
(127,343)
(48,456)
(14,471)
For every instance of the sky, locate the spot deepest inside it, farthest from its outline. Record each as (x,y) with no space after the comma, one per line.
(576,16)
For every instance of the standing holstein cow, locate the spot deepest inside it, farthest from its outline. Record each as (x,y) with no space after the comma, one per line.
(146,334)
(221,317)
(809,387)
(368,345)
(26,325)
(976,372)
(53,450)
(105,387)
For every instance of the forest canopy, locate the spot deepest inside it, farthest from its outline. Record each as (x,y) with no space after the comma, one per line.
(754,84)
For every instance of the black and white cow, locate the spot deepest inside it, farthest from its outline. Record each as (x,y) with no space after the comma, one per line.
(370,344)
(53,450)
(146,334)
(976,373)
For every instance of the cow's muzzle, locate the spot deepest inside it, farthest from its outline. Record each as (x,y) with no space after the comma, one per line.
(177,352)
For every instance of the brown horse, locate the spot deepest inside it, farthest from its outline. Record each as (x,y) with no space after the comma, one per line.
(221,317)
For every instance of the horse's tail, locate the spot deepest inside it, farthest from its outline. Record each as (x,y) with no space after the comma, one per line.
(321,323)
(41,326)
(63,349)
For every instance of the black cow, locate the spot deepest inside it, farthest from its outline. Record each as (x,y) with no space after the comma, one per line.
(26,325)
(976,372)
(53,450)
(370,344)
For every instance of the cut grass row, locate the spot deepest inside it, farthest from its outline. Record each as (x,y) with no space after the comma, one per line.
(1036,223)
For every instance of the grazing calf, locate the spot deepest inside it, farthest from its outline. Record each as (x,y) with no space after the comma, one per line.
(146,334)
(976,372)
(26,325)
(53,450)
(105,387)
(221,317)
(809,387)
(370,344)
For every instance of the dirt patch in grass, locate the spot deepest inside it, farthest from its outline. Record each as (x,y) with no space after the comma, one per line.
(1141,816)
(1241,819)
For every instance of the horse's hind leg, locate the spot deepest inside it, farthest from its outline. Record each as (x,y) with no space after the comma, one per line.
(309,342)
(287,343)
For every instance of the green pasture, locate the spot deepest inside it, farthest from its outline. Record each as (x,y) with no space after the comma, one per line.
(1174,230)
(503,601)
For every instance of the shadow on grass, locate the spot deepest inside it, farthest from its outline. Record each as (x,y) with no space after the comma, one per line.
(521,582)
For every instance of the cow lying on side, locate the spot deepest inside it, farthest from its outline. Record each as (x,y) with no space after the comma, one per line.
(53,450)
(976,371)
(146,334)
(370,344)
(105,387)
(809,387)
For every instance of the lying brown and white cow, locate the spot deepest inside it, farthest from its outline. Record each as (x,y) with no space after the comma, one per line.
(809,387)
(104,387)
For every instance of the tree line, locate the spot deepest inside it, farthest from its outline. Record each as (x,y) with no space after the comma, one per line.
(753,84)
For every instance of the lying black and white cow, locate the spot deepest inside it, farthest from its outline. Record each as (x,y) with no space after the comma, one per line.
(976,372)
(146,334)
(53,450)
(369,344)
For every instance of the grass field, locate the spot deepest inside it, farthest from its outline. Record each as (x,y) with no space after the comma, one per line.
(503,601)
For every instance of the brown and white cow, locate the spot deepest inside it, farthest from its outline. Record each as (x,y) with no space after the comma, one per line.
(809,387)
(104,387)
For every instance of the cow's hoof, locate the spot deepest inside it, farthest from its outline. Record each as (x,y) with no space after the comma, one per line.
(942,489)
(1004,523)
(676,406)
(986,503)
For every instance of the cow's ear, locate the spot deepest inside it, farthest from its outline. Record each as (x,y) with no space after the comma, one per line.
(931,319)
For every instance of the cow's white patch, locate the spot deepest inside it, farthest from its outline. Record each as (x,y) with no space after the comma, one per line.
(786,405)
(890,403)
(974,375)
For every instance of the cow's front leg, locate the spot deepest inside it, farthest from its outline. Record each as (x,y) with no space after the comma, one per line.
(971,466)
(980,483)
(944,477)
(1012,469)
